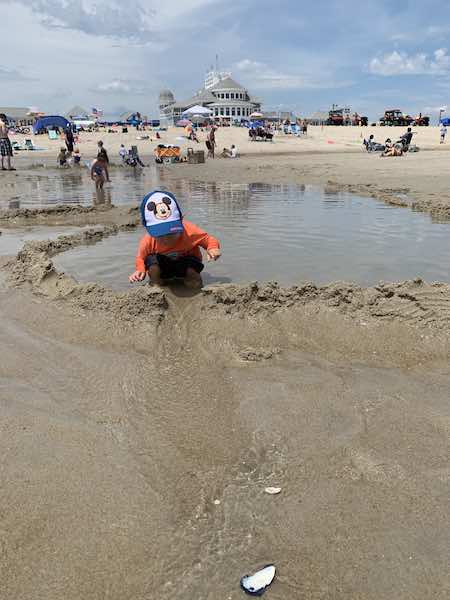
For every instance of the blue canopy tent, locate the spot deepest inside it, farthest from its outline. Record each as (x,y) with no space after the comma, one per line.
(49,122)
(445,121)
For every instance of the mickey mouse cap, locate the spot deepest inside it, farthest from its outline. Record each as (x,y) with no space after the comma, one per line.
(161,214)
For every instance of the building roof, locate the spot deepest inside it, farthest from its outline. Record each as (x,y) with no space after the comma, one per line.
(15,112)
(166,97)
(227,84)
(127,115)
(220,102)
(202,97)
(77,111)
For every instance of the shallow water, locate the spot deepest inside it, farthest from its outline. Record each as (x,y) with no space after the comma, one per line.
(12,240)
(286,233)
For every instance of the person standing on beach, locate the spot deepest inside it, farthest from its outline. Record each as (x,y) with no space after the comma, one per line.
(102,152)
(69,140)
(212,141)
(443,133)
(5,144)
(99,172)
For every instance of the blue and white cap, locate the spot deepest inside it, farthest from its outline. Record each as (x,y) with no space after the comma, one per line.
(161,214)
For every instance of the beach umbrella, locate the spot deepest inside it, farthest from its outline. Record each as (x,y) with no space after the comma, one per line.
(256,115)
(198,111)
(184,123)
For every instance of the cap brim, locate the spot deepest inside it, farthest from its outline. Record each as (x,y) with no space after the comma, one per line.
(161,229)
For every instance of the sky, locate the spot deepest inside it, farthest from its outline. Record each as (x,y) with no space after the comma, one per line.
(292,54)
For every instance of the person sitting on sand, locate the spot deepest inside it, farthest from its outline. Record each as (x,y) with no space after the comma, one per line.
(171,247)
(231,153)
(391,149)
(369,143)
(99,172)
(62,157)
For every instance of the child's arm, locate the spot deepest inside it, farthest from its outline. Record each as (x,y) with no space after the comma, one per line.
(203,239)
(144,250)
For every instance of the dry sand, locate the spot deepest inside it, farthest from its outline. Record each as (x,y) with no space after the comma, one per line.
(124,417)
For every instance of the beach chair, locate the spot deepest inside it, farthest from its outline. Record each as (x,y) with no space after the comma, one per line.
(53,135)
(28,145)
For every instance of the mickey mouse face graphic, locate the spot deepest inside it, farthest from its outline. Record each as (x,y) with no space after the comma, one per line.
(162,210)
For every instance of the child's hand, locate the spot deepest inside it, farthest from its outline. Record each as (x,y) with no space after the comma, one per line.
(137,276)
(213,254)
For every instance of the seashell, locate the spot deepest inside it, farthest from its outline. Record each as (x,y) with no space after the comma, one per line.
(256,584)
(272,490)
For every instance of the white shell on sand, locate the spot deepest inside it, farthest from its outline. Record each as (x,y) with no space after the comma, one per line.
(256,584)
(272,490)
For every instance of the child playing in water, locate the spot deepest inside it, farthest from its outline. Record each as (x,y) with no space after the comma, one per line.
(76,157)
(123,153)
(171,248)
(99,172)
(62,157)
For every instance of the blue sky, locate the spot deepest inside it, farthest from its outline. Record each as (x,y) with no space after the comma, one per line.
(292,54)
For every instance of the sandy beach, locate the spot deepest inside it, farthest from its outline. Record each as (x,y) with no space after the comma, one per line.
(139,429)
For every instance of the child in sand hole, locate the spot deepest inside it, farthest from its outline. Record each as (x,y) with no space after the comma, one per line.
(99,172)
(171,247)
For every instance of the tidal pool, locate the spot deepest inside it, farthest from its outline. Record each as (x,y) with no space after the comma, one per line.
(286,233)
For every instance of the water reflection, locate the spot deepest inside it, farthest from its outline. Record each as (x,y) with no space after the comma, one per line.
(102,197)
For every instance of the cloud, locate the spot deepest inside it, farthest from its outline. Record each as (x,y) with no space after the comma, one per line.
(400,63)
(260,76)
(109,18)
(122,86)
(12,75)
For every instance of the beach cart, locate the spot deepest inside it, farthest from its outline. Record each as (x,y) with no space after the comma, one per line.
(167,153)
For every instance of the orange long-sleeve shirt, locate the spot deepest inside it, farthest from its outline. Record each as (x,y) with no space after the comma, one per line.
(188,244)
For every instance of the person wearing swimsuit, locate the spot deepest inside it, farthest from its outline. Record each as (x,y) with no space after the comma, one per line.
(99,172)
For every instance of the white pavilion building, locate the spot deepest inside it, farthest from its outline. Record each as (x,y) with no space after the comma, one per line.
(228,100)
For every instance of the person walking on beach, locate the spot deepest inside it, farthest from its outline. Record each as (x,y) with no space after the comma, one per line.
(102,152)
(6,150)
(99,172)
(212,142)
(69,140)
(443,133)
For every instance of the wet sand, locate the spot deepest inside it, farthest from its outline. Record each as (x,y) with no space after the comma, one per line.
(125,416)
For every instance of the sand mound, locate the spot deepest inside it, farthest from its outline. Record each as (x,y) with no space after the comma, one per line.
(415,302)
(34,266)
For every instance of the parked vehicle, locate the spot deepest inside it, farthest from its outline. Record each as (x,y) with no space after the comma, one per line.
(336,117)
(394,118)
(421,121)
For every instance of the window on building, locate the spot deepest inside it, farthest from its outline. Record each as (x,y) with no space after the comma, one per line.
(227,96)
(216,112)
(232,95)
(222,111)
(238,111)
(233,112)
(228,111)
